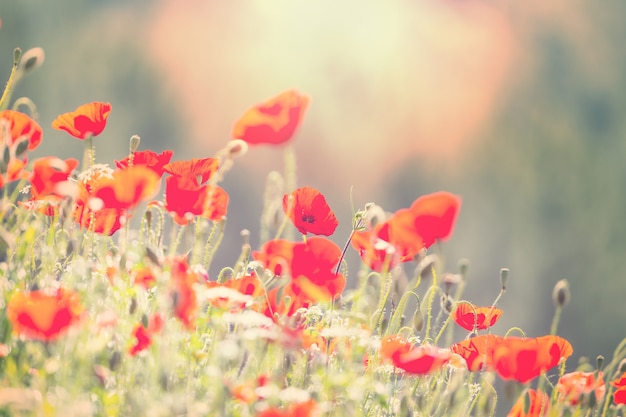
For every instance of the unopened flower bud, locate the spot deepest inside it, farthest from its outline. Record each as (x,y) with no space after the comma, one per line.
(418,320)
(560,294)
(17,53)
(134,142)
(599,362)
(504,277)
(236,148)
(31,59)
(133,306)
(446,303)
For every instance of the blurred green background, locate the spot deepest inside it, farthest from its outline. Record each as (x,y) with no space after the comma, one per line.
(516,106)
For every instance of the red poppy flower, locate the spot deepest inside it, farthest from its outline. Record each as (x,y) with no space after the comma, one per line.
(435,215)
(312,270)
(477,351)
(303,409)
(539,405)
(282,301)
(408,231)
(276,256)
(44,315)
(87,120)
(143,335)
(416,360)
(191,170)
(185,199)
(20,127)
(214,203)
(14,171)
(86,213)
(127,188)
(144,277)
(391,347)
(183,295)
(274,121)
(522,359)
(575,386)
(149,159)
(307,209)
(47,173)
(473,318)
(239,291)
(619,396)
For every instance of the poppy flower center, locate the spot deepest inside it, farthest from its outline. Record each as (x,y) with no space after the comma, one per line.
(308,218)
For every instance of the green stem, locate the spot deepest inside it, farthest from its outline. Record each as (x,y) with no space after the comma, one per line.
(8,90)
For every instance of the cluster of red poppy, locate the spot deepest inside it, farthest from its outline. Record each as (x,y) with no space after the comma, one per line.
(102,199)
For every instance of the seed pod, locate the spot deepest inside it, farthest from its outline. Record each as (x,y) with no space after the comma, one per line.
(561,294)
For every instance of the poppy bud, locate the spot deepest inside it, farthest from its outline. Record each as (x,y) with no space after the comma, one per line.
(449,280)
(424,268)
(236,148)
(446,303)
(133,306)
(560,294)
(152,256)
(418,321)
(504,277)
(31,59)
(134,142)
(17,53)
(599,362)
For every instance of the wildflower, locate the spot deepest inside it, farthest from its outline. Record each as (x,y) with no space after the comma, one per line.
(14,171)
(44,315)
(312,269)
(143,335)
(214,203)
(147,158)
(435,215)
(127,187)
(574,386)
(416,360)
(90,212)
(308,210)
(473,318)
(193,169)
(523,359)
(239,291)
(144,277)
(477,351)
(539,404)
(87,120)
(48,173)
(19,127)
(184,298)
(274,121)
(408,231)
(185,199)
(302,409)
(276,256)
(619,396)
